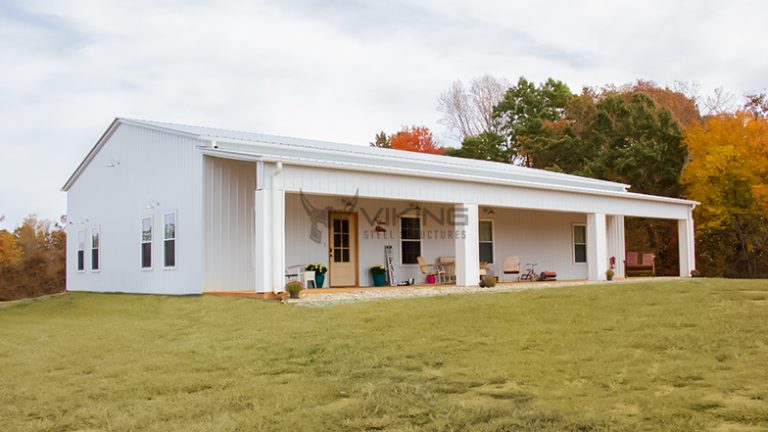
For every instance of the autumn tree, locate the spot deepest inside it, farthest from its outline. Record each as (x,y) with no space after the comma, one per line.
(416,139)
(469,111)
(32,260)
(728,175)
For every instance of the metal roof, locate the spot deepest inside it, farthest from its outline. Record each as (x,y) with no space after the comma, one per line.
(363,155)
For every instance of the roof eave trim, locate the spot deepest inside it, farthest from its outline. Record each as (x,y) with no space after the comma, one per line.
(232,154)
(578,180)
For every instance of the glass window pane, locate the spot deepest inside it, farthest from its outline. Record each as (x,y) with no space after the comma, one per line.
(345,255)
(579,234)
(95,238)
(486,252)
(411,250)
(80,240)
(486,231)
(94,259)
(81,260)
(410,228)
(580,253)
(146,229)
(345,226)
(345,240)
(336,225)
(146,255)
(170,253)
(170,226)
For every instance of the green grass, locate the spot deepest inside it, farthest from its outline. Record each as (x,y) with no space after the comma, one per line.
(674,355)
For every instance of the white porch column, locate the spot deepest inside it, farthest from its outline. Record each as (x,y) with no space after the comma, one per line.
(616,247)
(269,232)
(597,246)
(467,245)
(687,245)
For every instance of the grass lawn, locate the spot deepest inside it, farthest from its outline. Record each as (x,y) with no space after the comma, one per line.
(673,355)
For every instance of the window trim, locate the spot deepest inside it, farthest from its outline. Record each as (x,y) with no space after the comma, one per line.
(419,240)
(96,228)
(573,244)
(80,248)
(175,240)
(151,243)
(492,242)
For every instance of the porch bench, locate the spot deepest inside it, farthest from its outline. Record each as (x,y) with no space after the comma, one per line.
(640,264)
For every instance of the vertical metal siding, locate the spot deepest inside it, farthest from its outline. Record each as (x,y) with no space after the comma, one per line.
(153,166)
(230,187)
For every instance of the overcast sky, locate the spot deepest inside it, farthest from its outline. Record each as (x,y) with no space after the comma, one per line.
(331,70)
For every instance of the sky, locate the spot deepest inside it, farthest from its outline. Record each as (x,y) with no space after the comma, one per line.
(329,70)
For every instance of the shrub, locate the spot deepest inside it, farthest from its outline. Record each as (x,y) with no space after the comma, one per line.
(318,268)
(378,269)
(294,288)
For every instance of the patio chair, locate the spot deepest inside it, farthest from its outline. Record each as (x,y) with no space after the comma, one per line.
(307,278)
(511,266)
(430,270)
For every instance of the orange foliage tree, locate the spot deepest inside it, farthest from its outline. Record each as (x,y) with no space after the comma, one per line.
(416,139)
(728,174)
(32,260)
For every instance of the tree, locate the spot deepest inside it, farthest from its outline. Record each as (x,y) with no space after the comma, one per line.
(525,109)
(728,175)
(681,105)
(416,139)
(381,140)
(719,102)
(757,104)
(486,146)
(469,112)
(32,260)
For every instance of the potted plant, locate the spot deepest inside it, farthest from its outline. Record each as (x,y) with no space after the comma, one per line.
(488,282)
(379,275)
(294,288)
(609,274)
(320,270)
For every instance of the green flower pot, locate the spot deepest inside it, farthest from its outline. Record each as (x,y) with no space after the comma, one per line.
(379,279)
(319,280)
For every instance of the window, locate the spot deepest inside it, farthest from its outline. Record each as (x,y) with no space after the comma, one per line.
(95,245)
(410,239)
(486,241)
(169,240)
(146,242)
(81,251)
(579,244)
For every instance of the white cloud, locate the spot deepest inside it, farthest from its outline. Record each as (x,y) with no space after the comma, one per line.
(328,70)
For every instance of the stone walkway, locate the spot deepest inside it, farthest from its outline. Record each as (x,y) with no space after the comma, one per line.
(369,294)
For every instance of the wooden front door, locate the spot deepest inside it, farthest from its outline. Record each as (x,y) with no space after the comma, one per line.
(343,249)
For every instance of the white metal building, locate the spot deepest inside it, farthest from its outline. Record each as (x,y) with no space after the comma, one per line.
(176,209)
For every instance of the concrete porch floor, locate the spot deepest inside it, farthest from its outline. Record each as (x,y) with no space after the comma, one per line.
(327,296)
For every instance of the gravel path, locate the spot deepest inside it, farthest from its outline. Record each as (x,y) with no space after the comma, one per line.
(369,294)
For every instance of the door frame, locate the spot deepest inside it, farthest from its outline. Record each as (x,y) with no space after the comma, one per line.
(353,216)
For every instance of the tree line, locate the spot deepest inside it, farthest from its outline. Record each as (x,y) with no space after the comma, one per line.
(32,259)
(664,141)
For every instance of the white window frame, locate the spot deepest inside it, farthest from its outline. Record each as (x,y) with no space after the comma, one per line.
(492,242)
(151,243)
(573,244)
(96,229)
(421,243)
(80,248)
(175,240)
